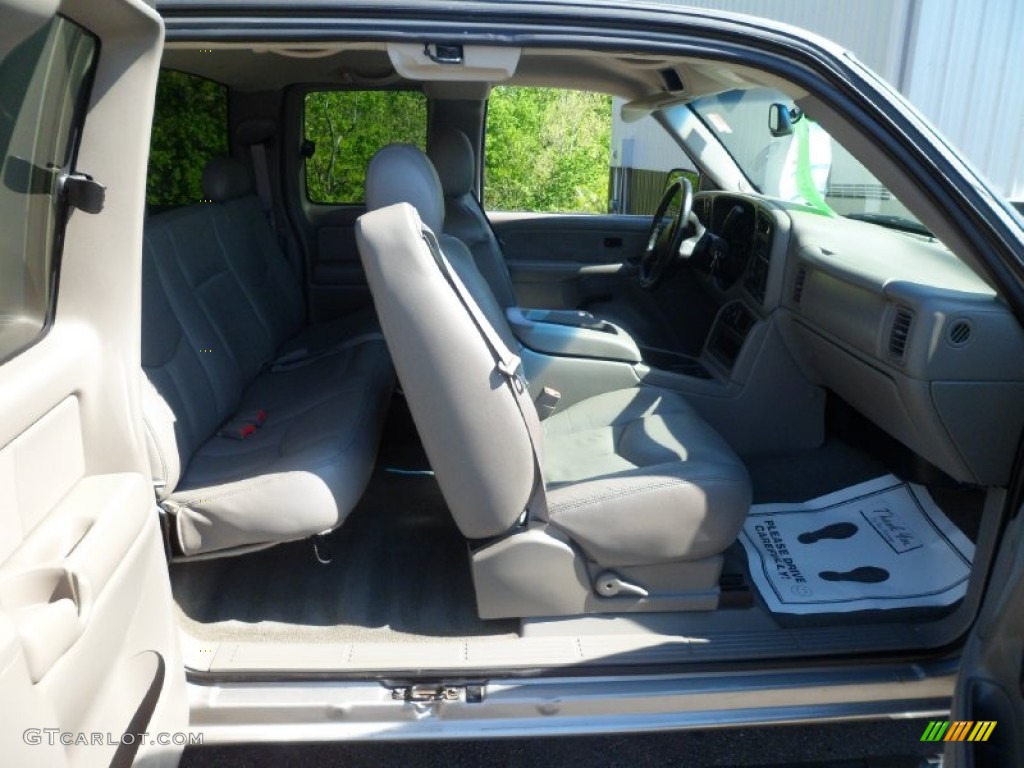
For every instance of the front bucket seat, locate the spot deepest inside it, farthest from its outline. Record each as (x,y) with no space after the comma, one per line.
(621,502)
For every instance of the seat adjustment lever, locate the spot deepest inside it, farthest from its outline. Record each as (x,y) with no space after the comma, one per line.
(609,584)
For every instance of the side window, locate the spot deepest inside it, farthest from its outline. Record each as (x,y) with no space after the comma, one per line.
(547,150)
(190,127)
(345,128)
(43,85)
(561,151)
(644,155)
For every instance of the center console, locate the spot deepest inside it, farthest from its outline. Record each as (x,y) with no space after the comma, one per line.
(729,333)
(675,362)
(572,334)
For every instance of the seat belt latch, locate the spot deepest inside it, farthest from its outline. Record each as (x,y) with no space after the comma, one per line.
(546,402)
(244,425)
(510,370)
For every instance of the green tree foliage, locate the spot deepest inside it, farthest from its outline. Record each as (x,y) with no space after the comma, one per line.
(347,128)
(547,150)
(189,128)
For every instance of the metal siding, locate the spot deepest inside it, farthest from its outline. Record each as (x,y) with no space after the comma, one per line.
(652,148)
(875,30)
(964,74)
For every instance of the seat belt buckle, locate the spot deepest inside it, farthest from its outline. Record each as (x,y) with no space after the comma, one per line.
(244,425)
(546,402)
(256,417)
(237,430)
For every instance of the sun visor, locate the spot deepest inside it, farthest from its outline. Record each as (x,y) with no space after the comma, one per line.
(452,61)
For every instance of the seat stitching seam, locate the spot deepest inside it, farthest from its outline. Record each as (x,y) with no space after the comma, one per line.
(610,496)
(617,494)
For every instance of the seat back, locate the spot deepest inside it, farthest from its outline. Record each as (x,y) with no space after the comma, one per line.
(455,161)
(218,299)
(472,430)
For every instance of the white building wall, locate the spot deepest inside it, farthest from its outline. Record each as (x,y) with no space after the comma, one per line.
(875,30)
(960,62)
(966,74)
(644,144)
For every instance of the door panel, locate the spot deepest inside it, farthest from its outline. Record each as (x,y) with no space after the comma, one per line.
(88,640)
(569,261)
(337,281)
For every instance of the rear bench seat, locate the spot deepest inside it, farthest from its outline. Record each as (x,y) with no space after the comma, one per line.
(247,453)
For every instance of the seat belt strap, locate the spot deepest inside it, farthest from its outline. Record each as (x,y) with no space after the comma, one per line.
(504,275)
(261,173)
(505,361)
(300,358)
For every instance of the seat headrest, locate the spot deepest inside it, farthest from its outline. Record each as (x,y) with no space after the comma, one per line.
(401,173)
(225,178)
(452,155)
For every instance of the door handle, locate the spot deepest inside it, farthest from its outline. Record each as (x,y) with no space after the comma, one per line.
(46,606)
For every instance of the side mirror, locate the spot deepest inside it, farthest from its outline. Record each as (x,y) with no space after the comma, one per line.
(678,174)
(637,192)
(781,119)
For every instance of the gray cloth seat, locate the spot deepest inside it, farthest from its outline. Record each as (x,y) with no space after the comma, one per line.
(636,476)
(630,480)
(465,219)
(220,306)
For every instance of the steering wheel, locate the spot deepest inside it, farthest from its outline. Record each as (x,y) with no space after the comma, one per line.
(665,242)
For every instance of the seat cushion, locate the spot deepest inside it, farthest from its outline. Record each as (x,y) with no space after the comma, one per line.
(638,477)
(303,470)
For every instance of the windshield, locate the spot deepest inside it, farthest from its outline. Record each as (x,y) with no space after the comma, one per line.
(802,163)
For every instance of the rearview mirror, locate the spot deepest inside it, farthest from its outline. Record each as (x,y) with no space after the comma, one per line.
(781,119)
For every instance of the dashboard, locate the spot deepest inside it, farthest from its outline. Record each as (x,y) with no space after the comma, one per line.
(744,231)
(891,322)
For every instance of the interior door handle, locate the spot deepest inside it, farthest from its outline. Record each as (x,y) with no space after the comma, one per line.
(46,606)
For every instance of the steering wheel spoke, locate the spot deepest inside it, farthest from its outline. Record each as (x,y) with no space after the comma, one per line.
(690,244)
(665,242)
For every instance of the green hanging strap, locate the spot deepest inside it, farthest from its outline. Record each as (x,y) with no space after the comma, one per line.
(804,177)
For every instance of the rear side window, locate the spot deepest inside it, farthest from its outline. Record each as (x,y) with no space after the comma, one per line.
(190,128)
(345,128)
(43,85)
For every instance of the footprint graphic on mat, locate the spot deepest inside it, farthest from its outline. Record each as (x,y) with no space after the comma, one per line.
(833,531)
(866,574)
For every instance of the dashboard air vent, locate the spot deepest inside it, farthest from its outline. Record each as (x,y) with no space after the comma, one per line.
(798,285)
(959,333)
(900,332)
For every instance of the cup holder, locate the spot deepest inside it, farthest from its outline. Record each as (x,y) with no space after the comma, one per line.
(674,362)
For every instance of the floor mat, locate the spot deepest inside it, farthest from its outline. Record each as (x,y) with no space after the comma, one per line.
(882,544)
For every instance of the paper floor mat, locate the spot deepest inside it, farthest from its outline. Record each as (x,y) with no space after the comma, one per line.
(881,544)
